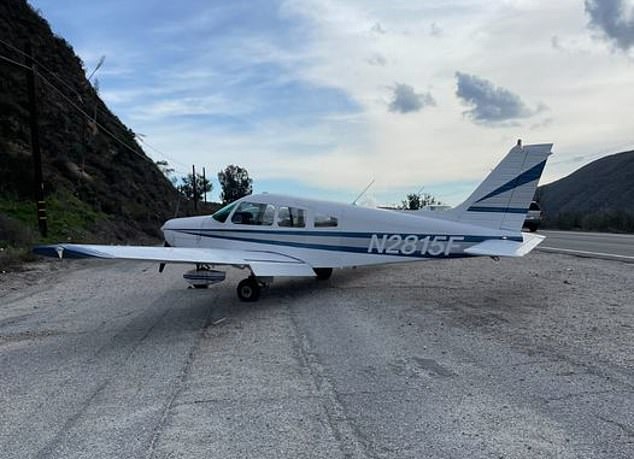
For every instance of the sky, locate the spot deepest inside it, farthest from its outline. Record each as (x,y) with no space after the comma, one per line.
(316,98)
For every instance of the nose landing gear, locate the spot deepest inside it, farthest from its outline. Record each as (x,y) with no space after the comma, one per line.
(203,276)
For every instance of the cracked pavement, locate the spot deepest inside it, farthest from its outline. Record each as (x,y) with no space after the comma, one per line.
(462,358)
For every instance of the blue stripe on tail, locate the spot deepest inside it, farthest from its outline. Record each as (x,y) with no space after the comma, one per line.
(532,174)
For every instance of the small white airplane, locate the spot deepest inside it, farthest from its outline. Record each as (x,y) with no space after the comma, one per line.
(273,235)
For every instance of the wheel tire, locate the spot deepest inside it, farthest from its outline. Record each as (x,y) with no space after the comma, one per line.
(323,273)
(249,290)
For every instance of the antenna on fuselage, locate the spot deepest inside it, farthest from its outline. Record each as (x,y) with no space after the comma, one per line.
(354,203)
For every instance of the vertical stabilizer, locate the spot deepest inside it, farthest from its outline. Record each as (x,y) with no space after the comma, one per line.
(502,199)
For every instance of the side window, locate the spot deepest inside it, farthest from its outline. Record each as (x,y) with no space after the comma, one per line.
(250,213)
(325,221)
(291,217)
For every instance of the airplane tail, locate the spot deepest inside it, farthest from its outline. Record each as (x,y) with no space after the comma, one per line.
(502,199)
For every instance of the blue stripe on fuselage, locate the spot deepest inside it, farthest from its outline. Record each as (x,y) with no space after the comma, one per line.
(325,233)
(340,248)
(505,210)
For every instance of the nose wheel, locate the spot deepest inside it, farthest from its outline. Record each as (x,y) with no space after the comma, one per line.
(249,290)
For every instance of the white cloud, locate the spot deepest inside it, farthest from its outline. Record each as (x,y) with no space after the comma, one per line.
(190,106)
(510,42)
(535,50)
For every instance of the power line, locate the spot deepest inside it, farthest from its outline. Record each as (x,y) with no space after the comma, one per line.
(5,58)
(68,86)
(174,162)
(39,64)
(75,106)
(101,126)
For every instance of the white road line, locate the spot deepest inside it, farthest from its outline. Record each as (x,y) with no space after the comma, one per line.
(586,233)
(584,252)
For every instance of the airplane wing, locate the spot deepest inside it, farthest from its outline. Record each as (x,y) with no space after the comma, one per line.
(501,248)
(263,264)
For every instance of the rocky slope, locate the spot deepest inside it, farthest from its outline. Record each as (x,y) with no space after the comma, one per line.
(98,181)
(598,196)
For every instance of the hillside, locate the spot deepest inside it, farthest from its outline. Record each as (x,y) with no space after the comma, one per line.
(99,184)
(598,196)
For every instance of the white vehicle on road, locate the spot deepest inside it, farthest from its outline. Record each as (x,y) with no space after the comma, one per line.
(533,217)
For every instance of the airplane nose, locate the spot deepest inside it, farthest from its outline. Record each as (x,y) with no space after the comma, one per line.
(179,228)
(168,235)
(176,223)
(169,224)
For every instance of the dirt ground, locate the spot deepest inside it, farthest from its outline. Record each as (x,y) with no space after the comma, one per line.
(529,357)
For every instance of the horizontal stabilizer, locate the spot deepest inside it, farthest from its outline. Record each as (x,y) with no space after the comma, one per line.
(505,248)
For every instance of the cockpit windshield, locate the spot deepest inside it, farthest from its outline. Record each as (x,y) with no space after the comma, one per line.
(222,214)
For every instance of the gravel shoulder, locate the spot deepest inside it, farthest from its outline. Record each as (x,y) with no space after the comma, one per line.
(465,358)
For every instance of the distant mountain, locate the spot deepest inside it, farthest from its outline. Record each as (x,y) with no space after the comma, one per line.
(598,196)
(98,182)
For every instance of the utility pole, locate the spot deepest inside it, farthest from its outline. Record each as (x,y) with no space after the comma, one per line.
(35,144)
(194,189)
(204,186)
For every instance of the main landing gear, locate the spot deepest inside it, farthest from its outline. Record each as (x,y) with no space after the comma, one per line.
(249,289)
(323,273)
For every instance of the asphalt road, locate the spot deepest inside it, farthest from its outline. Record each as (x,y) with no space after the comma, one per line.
(601,245)
(466,358)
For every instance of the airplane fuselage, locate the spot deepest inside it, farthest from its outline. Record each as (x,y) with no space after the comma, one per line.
(326,234)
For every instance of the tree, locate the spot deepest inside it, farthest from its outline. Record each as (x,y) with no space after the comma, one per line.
(202,186)
(417,201)
(235,183)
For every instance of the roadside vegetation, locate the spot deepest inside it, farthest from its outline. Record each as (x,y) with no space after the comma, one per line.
(415,201)
(69,219)
(617,221)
